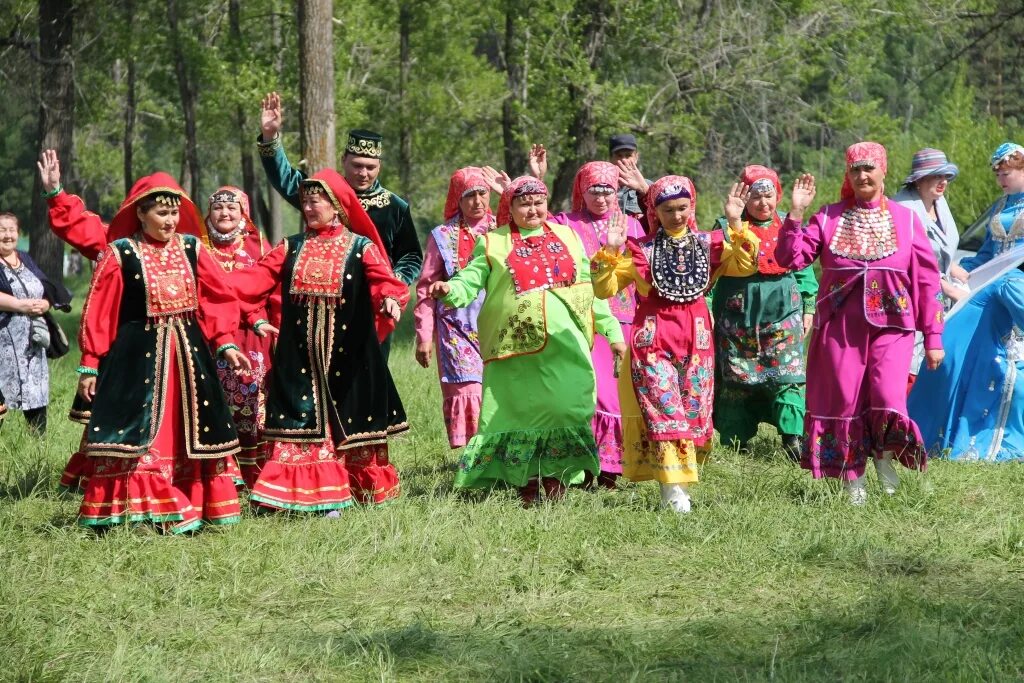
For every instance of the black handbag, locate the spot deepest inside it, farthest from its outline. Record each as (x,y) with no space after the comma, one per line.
(59,346)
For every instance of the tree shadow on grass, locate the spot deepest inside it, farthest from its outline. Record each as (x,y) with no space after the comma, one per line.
(900,632)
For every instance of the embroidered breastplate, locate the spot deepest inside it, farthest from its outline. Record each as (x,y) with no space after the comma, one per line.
(170,281)
(539,261)
(680,266)
(865,234)
(320,266)
(995,224)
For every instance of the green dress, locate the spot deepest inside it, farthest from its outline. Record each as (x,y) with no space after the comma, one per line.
(539,387)
(759,349)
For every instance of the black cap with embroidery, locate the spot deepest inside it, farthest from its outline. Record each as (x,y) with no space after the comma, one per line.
(365,143)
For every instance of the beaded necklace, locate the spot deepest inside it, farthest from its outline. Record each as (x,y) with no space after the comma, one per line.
(865,234)
(680,266)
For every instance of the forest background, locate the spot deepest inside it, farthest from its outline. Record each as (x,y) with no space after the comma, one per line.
(707,86)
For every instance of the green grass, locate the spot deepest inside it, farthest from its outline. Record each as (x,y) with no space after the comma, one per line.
(772,576)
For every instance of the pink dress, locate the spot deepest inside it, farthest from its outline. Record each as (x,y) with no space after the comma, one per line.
(593,232)
(452,331)
(867,312)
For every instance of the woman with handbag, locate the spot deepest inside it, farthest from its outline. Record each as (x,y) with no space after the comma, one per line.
(26,296)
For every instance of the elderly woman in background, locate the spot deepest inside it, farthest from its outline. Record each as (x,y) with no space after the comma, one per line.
(761,318)
(594,209)
(453,331)
(667,395)
(24,373)
(537,326)
(879,283)
(924,191)
(236,244)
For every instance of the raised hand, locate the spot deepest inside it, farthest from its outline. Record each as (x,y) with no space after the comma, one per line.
(630,175)
(439,290)
(49,170)
(802,195)
(735,202)
(617,232)
(271,116)
(538,161)
(496,180)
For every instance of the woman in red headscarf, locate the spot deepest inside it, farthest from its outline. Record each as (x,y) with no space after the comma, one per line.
(331,403)
(666,399)
(595,207)
(159,431)
(879,283)
(761,317)
(537,326)
(467,215)
(236,244)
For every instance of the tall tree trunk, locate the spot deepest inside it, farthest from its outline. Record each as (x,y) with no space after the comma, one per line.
(316,83)
(405,124)
(128,143)
(56,124)
(515,75)
(272,221)
(244,136)
(187,89)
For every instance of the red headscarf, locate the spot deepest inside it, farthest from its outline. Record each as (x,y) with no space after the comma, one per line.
(523,185)
(751,174)
(126,223)
(468,178)
(665,184)
(863,151)
(344,199)
(590,174)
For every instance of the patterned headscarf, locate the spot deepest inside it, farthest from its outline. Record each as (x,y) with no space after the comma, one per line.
(1004,152)
(521,186)
(754,173)
(859,153)
(591,174)
(668,188)
(230,193)
(463,181)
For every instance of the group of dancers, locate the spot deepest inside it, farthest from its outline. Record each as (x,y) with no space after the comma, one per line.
(571,348)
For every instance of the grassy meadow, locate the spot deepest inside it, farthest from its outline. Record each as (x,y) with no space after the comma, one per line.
(772,577)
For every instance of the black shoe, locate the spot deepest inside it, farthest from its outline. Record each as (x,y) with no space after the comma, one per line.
(793,445)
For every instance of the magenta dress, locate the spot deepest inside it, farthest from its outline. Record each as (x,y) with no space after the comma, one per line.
(867,311)
(593,232)
(453,331)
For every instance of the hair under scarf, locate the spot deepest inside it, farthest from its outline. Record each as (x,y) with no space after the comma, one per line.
(591,174)
(860,152)
(663,189)
(521,186)
(125,222)
(345,201)
(464,180)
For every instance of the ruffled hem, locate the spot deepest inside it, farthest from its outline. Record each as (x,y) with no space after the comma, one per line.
(293,480)
(251,462)
(461,418)
(608,435)
(212,488)
(840,447)
(76,473)
(374,478)
(514,457)
(137,496)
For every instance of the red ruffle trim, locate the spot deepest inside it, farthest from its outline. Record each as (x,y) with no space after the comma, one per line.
(374,478)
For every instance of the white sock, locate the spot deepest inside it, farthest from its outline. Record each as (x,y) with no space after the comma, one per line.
(887,474)
(857,491)
(675,497)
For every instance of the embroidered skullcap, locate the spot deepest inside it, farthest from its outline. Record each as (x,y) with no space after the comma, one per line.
(365,143)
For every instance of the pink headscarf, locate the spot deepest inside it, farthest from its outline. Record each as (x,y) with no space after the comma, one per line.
(666,184)
(590,174)
(751,174)
(523,185)
(468,178)
(863,151)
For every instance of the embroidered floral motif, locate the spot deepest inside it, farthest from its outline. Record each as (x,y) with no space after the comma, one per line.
(878,302)
(523,331)
(644,336)
(702,334)
(675,395)
(761,354)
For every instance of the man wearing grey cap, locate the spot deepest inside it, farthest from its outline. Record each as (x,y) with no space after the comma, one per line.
(623,153)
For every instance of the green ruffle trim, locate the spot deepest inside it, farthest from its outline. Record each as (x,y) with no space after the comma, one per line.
(131,519)
(515,457)
(278,505)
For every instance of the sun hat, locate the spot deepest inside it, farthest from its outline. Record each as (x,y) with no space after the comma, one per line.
(929,161)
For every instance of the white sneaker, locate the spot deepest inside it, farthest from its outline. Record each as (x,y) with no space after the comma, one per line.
(887,474)
(675,497)
(857,491)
